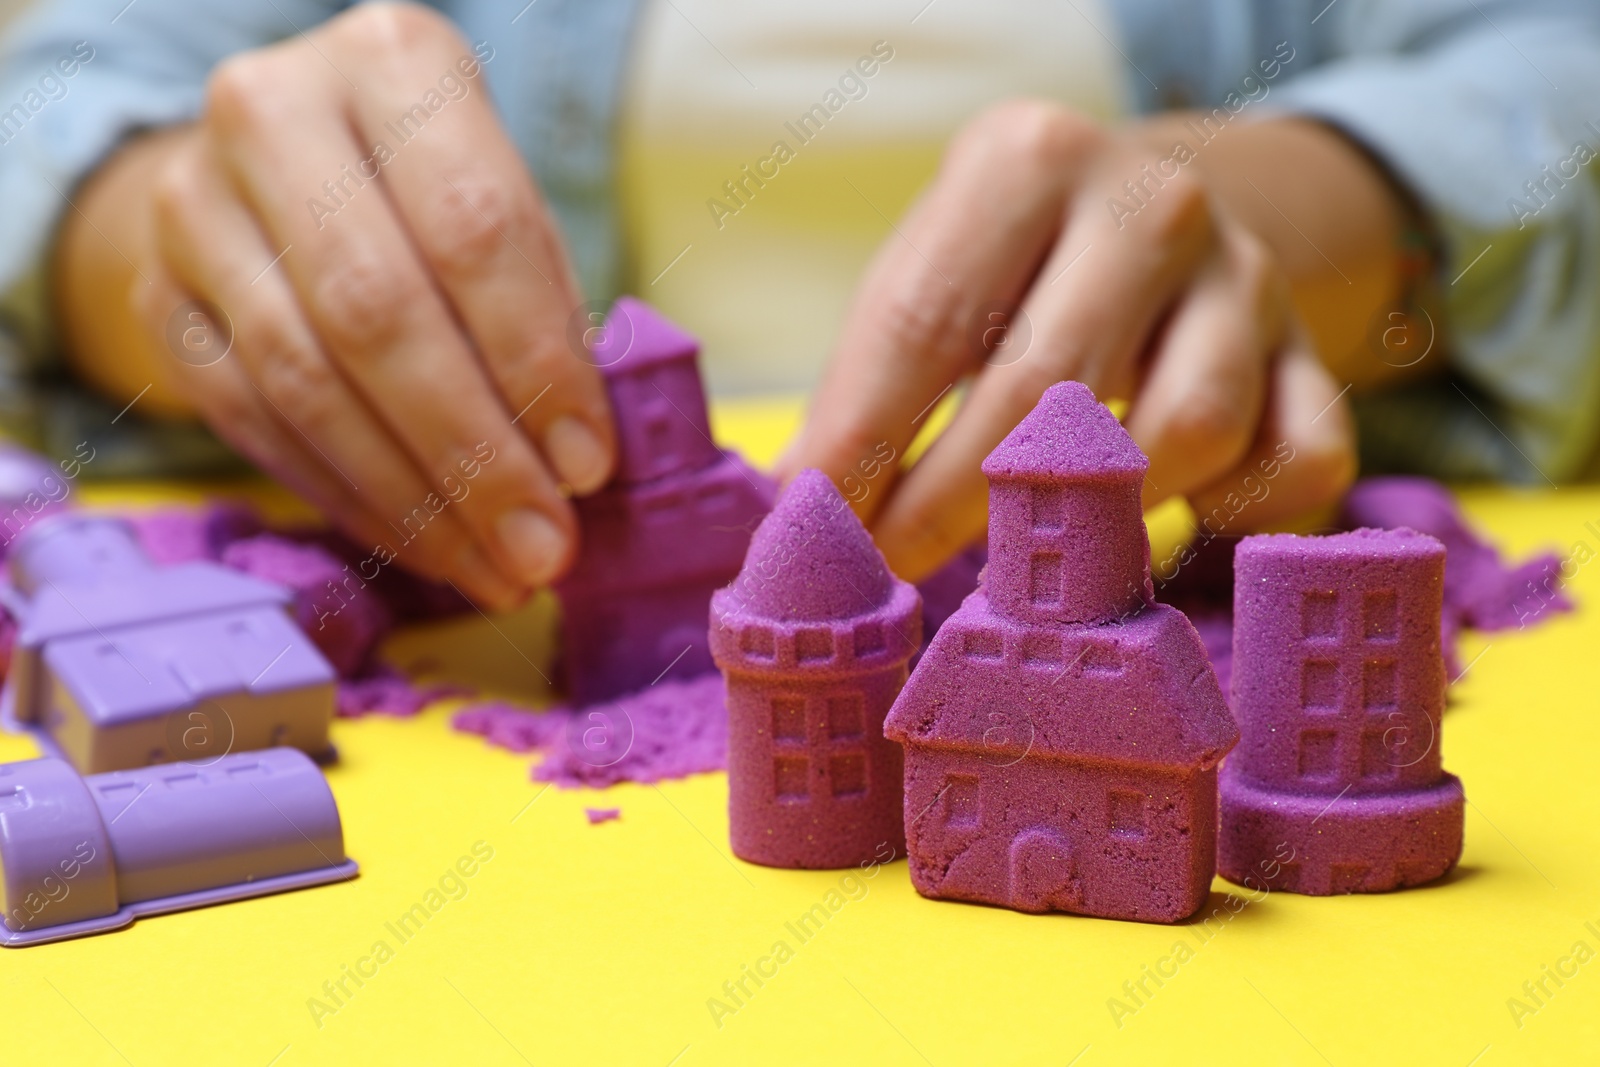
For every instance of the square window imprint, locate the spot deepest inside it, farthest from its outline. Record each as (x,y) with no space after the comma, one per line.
(1041,650)
(1102,657)
(961,801)
(1380,616)
(1319,615)
(1044,578)
(789,775)
(1319,685)
(788,718)
(810,645)
(1127,813)
(1378,685)
(982,644)
(756,642)
(1318,750)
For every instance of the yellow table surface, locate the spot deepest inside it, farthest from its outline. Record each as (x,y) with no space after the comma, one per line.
(609,943)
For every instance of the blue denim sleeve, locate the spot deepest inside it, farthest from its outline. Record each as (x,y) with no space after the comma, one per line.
(1488,113)
(1493,122)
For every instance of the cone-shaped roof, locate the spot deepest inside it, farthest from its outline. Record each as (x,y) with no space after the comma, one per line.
(1068,436)
(811,559)
(637,334)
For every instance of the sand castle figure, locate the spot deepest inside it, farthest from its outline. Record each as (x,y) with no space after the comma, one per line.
(813,637)
(671,527)
(1062,732)
(1338,683)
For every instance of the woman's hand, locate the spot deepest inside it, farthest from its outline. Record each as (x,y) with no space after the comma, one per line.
(1015,269)
(397,295)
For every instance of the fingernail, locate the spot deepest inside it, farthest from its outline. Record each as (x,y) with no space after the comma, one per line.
(534,544)
(576,453)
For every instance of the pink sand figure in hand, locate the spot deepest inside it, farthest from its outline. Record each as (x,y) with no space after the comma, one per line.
(1338,682)
(670,528)
(1062,732)
(813,638)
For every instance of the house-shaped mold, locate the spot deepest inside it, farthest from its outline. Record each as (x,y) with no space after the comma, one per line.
(670,528)
(813,638)
(1062,732)
(1338,682)
(120,663)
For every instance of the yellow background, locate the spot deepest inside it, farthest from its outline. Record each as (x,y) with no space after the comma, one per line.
(603,944)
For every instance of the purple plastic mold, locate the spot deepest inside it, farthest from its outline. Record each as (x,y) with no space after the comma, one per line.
(668,531)
(1062,732)
(1338,683)
(86,855)
(31,487)
(120,663)
(813,638)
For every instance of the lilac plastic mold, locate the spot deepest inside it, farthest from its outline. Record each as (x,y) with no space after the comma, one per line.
(87,855)
(813,638)
(1062,731)
(120,663)
(1338,683)
(31,487)
(668,531)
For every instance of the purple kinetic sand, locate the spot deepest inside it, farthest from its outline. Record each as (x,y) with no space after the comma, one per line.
(1338,683)
(87,855)
(1480,589)
(511,726)
(383,690)
(344,619)
(597,816)
(182,535)
(381,570)
(671,528)
(813,637)
(1198,581)
(945,589)
(669,730)
(1062,732)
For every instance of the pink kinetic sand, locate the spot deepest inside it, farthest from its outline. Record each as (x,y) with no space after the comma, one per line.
(670,529)
(383,690)
(181,535)
(813,638)
(669,730)
(345,629)
(1480,590)
(1339,685)
(1062,731)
